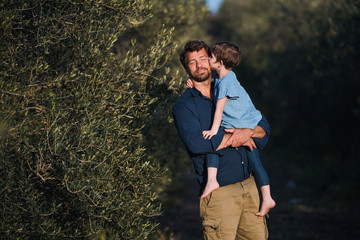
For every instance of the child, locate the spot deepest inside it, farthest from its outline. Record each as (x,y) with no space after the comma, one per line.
(234,109)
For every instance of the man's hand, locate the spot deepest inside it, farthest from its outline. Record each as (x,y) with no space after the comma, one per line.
(251,144)
(239,136)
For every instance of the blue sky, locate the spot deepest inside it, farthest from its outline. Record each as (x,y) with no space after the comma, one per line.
(213,5)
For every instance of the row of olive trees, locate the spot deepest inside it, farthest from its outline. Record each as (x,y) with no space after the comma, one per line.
(301,69)
(79,83)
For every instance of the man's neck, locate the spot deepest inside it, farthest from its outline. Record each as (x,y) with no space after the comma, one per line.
(204,87)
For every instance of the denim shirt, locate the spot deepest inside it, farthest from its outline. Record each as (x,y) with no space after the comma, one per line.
(194,113)
(239,110)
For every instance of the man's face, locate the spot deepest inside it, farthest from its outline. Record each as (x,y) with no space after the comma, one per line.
(198,65)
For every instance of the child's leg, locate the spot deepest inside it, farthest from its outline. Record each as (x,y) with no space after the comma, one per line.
(267,201)
(212,161)
(262,180)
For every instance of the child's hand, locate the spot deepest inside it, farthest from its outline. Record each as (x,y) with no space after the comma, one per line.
(189,83)
(208,134)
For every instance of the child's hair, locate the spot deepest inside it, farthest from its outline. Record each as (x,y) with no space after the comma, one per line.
(227,52)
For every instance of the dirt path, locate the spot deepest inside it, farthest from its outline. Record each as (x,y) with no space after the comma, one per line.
(181,211)
(299,214)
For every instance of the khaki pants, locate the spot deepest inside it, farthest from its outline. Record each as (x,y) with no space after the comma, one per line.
(228,213)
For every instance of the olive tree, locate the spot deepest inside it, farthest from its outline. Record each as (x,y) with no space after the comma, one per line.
(72,116)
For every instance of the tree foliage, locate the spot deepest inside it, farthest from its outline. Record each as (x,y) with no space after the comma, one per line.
(301,69)
(77,92)
(189,19)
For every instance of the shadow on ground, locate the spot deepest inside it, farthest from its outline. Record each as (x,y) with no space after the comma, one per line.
(300,214)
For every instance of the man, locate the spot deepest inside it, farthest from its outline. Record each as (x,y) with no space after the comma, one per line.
(228,212)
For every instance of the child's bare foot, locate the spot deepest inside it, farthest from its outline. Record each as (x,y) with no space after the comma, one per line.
(210,186)
(265,207)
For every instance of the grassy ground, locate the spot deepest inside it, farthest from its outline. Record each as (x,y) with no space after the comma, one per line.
(301,212)
(181,220)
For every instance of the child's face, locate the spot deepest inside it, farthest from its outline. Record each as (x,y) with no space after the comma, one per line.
(214,64)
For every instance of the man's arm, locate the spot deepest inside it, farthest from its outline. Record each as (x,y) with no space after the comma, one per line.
(262,141)
(258,132)
(190,131)
(239,137)
(224,141)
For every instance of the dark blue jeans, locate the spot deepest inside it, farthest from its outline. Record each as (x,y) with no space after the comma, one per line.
(212,160)
(261,176)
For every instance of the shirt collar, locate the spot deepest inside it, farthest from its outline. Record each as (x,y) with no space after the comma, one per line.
(194,92)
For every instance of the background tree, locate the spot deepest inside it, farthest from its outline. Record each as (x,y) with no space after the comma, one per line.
(86,89)
(77,91)
(189,19)
(300,67)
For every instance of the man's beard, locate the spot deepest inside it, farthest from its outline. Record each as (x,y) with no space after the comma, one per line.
(201,78)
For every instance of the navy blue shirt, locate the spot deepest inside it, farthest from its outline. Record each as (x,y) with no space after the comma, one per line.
(194,113)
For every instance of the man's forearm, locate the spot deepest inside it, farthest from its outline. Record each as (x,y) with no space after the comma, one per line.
(259,132)
(224,141)
(239,137)
(262,140)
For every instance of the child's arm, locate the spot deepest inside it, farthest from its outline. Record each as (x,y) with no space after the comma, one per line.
(189,83)
(220,104)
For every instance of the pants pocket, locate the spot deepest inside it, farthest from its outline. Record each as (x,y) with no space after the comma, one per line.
(266,229)
(211,229)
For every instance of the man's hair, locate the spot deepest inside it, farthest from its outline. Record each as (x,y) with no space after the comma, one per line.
(228,53)
(192,46)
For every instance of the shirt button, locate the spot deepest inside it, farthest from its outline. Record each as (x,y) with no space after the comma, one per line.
(236,148)
(242,162)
